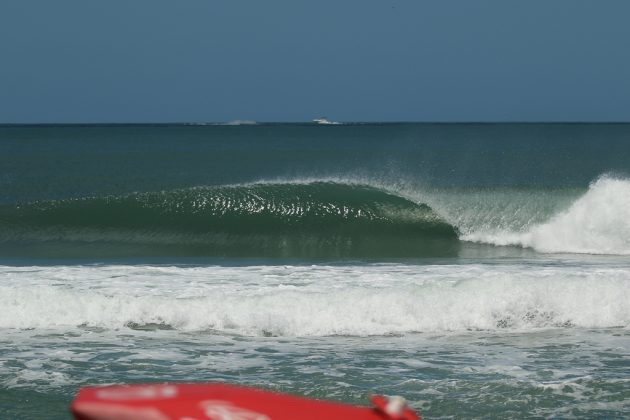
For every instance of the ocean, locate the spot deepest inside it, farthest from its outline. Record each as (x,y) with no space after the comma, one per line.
(478,270)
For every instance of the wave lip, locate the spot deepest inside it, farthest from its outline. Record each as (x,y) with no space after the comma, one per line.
(312,219)
(596,223)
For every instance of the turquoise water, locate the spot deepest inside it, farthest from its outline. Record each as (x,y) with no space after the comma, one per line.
(477,270)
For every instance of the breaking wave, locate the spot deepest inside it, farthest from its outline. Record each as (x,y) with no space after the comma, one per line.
(598,222)
(330,219)
(311,220)
(316,301)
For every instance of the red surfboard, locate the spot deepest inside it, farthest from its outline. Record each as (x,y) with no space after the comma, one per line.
(221,402)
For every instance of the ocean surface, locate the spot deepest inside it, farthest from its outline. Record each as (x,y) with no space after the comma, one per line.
(478,270)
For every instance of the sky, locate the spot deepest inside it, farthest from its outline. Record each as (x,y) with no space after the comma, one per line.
(81,61)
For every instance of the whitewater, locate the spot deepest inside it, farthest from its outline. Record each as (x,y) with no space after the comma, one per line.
(596,223)
(535,329)
(317,300)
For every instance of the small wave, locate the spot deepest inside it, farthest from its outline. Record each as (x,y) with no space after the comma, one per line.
(596,223)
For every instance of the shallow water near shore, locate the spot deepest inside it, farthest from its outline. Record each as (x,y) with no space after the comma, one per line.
(477,339)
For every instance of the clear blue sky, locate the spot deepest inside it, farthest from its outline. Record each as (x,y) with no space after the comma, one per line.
(363,60)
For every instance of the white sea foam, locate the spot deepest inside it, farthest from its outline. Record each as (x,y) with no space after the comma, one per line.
(316,301)
(596,223)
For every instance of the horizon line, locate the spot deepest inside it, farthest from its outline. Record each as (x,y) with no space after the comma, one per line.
(335,123)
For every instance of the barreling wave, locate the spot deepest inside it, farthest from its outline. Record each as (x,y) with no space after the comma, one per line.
(317,219)
(328,219)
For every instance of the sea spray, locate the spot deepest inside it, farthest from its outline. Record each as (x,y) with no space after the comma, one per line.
(596,223)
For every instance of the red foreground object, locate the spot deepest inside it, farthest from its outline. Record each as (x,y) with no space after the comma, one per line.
(221,402)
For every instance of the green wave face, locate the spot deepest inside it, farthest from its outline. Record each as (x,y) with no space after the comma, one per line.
(320,219)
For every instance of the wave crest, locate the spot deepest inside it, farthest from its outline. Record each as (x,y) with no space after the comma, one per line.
(313,219)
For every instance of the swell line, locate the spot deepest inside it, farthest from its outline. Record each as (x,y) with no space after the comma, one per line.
(313,219)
